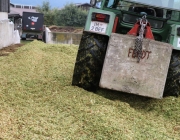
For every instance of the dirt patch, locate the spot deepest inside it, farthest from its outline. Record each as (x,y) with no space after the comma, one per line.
(12,48)
(65,29)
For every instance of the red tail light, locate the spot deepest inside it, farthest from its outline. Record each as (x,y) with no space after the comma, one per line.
(32,23)
(100,17)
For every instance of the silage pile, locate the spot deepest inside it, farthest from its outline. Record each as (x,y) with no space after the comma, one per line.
(65,29)
(37,101)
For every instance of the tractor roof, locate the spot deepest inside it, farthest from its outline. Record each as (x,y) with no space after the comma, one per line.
(165,4)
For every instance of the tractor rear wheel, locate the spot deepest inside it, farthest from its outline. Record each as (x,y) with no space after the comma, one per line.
(89,61)
(172,87)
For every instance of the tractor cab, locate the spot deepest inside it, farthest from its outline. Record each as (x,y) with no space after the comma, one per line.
(165,9)
(148,6)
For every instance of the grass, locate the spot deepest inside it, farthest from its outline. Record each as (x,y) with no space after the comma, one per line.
(37,101)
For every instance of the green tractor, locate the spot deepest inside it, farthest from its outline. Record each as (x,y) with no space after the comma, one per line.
(131,46)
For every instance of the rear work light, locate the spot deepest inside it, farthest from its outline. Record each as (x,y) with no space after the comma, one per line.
(100,17)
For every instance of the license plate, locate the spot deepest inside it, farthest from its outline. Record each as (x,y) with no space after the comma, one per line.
(99,27)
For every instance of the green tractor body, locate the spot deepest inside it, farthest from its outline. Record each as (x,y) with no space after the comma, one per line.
(131,46)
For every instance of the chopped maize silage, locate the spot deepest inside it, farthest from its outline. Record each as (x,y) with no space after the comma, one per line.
(37,101)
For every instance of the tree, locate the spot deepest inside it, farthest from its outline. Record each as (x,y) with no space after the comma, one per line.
(71,15)
(49,14)
(44,8)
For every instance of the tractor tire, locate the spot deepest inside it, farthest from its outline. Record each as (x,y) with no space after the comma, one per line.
(89,61)
(172,87)
(23,38)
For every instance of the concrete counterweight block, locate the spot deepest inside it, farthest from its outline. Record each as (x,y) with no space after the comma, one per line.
(121,71)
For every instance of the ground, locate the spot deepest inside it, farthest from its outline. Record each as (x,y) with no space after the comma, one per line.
(37,101)
(12,48)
